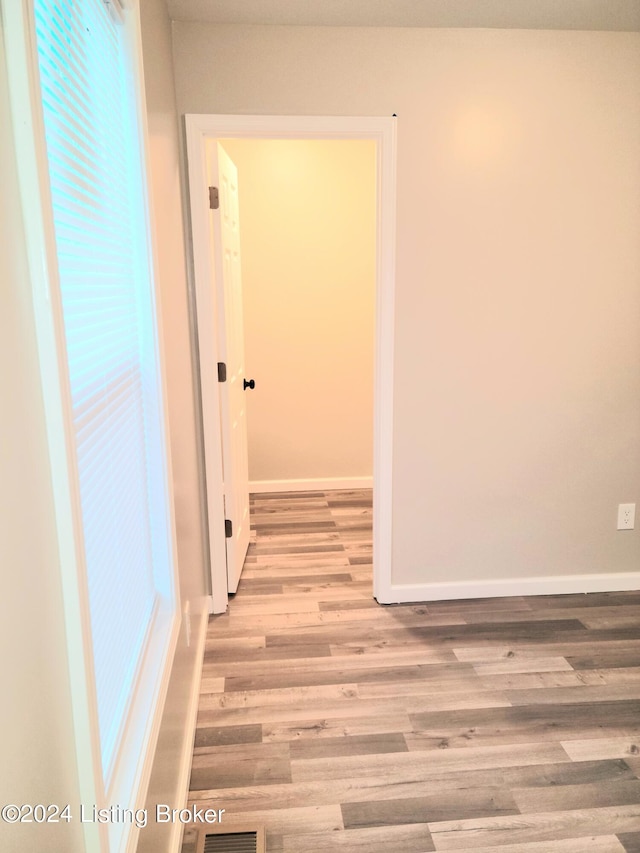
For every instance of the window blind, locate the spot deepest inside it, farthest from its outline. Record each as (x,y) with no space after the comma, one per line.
(97,193)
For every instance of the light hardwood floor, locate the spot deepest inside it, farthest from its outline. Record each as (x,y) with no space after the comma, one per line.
(492,726)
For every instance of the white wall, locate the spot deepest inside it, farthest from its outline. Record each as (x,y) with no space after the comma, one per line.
(169,778)
(517,407)
(38,763)
(307,230)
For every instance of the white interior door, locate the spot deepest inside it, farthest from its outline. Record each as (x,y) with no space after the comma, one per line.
(223,175)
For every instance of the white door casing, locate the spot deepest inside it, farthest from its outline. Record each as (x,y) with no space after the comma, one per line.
(225,243)
(201,130)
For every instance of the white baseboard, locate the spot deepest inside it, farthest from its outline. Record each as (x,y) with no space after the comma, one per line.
(555,585)
(311,485)
(186,756)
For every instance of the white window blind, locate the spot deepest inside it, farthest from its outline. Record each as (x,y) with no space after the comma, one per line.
(97,192)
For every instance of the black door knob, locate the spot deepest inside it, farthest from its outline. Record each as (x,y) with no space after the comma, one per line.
(249,383)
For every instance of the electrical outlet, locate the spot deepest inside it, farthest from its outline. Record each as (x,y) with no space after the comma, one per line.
(626,516)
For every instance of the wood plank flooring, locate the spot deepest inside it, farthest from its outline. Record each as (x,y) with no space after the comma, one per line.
(492,726)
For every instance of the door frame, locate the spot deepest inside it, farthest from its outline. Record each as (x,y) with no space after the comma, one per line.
(201,128)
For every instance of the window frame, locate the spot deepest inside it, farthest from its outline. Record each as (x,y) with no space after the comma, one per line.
(131,770)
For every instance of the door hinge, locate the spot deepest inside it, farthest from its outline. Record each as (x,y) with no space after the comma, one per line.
(214,198)
(228,528)
(222,371)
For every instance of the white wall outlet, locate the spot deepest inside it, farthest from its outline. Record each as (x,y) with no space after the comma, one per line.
(626,516)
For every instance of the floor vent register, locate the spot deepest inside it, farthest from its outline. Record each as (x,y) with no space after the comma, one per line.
(236,840)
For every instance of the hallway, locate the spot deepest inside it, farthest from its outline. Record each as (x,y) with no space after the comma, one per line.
(490,725)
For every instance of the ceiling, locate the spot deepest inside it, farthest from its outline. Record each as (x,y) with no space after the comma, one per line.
(620,15)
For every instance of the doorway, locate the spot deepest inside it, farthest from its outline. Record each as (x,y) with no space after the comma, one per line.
(200,131)
(307,230)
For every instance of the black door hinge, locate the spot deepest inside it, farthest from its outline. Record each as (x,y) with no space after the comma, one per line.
(214,198)
(222,371)
(228,528)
